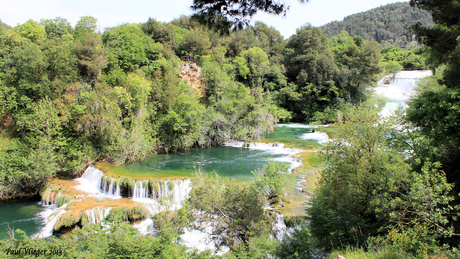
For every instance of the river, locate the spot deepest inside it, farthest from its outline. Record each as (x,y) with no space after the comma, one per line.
(234,159)
(231,160)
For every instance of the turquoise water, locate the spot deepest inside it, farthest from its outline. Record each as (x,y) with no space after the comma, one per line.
(291,134)
(22,214)
(228,161)
(233,161)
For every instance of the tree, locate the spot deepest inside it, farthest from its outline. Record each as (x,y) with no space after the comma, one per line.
(270,40)
(31,30)
(57,27)
(86,25)
(258,64)
(241,40)
(310,65)
(163,33)
(436,110)
(129,48)
(420,211)
(362,168)
(359,63)
(91,56)
(443,37)
(234,13)
(235,210)
(196,42)
(273,179)
(25,68)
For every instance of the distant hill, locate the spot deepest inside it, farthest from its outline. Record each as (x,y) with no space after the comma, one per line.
(386,24)
(4,25)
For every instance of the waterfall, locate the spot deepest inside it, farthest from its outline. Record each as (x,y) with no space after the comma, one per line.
(279,228)
(399,89)
(90,182)
(140,190)
(50,217)
(96,215)
(171,192)
(145,227)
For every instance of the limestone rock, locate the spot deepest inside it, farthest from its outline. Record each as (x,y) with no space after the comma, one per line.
(191,73)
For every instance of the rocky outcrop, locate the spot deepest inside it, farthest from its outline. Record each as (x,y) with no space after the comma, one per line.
(191,73)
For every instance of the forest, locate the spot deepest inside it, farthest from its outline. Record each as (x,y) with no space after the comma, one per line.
(388,25)
(71,96)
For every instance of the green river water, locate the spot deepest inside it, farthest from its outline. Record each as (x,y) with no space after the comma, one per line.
(233,161)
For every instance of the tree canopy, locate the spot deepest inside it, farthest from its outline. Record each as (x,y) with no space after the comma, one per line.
(224,15)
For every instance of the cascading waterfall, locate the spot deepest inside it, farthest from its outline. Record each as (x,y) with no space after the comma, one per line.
(51,215)
(108,188)
(96,215)
(399,89)
(279,228)
(156,195)
(94,181)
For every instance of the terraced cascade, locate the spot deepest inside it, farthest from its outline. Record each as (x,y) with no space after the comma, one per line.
(162,181)
(399,88)
(91,198)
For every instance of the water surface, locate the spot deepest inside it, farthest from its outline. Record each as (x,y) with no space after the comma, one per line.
(20,214)
(233,161)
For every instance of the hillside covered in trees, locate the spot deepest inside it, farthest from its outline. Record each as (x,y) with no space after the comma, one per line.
(72,95)
(388,24)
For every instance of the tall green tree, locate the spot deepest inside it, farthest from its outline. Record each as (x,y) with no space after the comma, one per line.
(310,65)
(31,30)
(57,27)
(435,110)
(258,64)
(361,169)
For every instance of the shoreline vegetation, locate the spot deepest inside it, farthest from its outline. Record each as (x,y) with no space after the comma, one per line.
(73,96)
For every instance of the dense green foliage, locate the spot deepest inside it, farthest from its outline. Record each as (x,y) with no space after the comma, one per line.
(388,24)
(324,77)
(391,190)
(273,179)
(235,211)
(117,240)
(70,96)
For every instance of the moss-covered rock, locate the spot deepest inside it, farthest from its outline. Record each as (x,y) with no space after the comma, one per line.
(68,219)
(137,213)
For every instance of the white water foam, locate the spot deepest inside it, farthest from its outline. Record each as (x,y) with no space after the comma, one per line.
(279,228)
(145,227)
(97,215)
(399,89)
(320,137)
(273,148)
(50,217)
(202,239)
(90,182)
